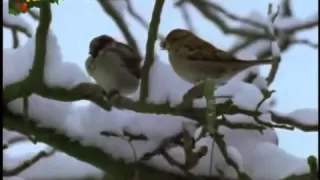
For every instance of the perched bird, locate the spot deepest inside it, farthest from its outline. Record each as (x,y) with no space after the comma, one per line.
(113,65)
(194,59)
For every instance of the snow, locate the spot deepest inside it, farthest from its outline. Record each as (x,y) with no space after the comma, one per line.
(11,163)
(256,153)
(64,118)
(15,20)
(18,62)
(235,155)
(15,66)
(305,116)
(161,91)
(240,91)
(273,163)
(161,80)
(58,72)
(9,136)
(13,178)
(241,98)
(48,166)
(36,11)
(275,49)
(260,82)
(55,112)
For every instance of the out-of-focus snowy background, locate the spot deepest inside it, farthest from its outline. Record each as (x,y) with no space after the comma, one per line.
(75,23)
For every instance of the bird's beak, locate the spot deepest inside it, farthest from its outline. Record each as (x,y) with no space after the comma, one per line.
(163,44)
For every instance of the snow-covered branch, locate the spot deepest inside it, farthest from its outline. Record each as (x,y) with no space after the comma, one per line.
(10,138)
(27,163)
(303,119)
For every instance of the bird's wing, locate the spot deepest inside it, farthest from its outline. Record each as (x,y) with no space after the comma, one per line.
(200,50)
(131,59)
(89,65)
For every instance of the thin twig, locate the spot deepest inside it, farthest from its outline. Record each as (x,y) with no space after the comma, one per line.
(276,60)
(234,17)
(174,162)
(15,38)
(186,17)
(280,119)
(17,28)
(305,42)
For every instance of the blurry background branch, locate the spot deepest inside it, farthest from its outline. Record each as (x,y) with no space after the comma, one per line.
(110,9)
(138,18)
(219,15)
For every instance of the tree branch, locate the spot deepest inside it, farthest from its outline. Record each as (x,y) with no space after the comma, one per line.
(28,163)
(117,169)
(17,28)
(152,37)
(277,118)
(15,38)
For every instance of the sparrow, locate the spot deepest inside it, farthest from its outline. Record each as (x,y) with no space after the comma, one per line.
(194,59)
(115,66)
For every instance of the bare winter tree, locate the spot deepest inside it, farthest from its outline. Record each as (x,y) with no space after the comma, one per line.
(149,150)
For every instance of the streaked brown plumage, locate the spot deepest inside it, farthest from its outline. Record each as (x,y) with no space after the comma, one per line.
(194,59)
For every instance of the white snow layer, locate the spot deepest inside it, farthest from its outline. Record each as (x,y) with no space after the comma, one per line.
(47,167)
(275,49)
(84,123)
(18,62)
(307,116)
